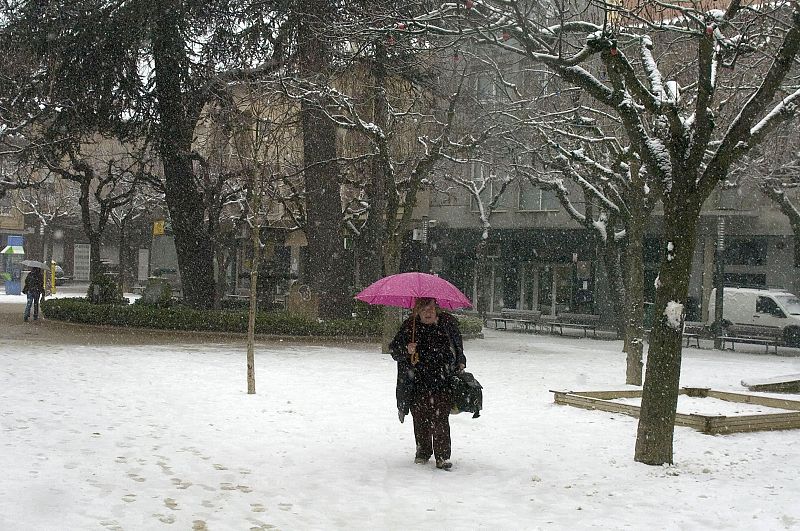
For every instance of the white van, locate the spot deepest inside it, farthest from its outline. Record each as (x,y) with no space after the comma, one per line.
(776,311)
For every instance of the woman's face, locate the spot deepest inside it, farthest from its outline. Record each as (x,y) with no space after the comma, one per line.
(428,314)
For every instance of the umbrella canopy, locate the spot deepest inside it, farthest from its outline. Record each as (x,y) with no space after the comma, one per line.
(32,263)
(402,289)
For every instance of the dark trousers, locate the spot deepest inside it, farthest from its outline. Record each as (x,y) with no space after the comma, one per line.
(431,413)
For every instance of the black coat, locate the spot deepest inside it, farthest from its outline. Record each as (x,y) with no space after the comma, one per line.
(440,349)
(34,283)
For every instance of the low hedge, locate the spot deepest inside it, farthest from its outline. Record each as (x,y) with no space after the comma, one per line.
(178,317)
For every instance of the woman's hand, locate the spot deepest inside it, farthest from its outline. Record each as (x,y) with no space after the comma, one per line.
(461,367)
(412,351)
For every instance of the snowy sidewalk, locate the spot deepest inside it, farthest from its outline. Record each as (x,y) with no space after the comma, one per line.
(102,431)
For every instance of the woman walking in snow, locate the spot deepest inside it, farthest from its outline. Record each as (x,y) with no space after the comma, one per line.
(428,349)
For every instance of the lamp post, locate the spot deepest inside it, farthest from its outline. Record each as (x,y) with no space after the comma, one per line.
(719,281)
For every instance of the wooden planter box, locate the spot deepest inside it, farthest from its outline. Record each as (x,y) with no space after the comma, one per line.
(709,424)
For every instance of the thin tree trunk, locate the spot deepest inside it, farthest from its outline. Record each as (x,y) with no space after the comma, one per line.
(49,256)
(662,378)
(124,258)
(483,280)
(95,266)
(251,314)
(634,293)
(611,252)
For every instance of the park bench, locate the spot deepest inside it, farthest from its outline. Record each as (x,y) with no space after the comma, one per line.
(580,321)
(688,337)
(691,336)
(753,335)
(525,318)
(693,331)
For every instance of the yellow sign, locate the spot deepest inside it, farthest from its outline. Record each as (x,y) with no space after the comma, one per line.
(52,277)
(158,228)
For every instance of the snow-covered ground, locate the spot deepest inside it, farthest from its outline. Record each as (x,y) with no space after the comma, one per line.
(151,431)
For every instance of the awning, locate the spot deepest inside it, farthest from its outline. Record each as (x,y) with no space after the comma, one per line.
(13,249)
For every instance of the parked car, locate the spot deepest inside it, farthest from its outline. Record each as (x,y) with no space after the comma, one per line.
(776,312)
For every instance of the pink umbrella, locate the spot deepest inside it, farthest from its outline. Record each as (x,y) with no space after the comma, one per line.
(401,290)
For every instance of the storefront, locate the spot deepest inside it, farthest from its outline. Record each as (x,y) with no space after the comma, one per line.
(548,270)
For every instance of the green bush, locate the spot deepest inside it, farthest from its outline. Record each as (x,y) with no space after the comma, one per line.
(469,325)
(179,317)
(157,293)
(103,289)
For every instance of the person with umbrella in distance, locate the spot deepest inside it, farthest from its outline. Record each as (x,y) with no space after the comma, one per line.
(34,287)
(429,350)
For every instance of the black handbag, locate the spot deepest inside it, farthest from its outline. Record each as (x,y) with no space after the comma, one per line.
(467,394)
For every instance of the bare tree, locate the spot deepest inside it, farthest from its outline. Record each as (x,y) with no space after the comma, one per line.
(127,217)
(774,168)
(107,175)
(686,144)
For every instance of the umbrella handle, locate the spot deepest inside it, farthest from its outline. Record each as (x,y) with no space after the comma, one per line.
(415,355)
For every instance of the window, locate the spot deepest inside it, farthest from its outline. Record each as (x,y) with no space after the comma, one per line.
(751,280)
(5,206)
(790,302)
(768,306)
(534,199)
(746,251)
(483,173)
(486,88)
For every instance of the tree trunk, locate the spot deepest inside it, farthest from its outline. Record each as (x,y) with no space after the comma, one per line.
(95,266)
(222,277)
(123,253)
(796,232)
(251,314)
(192,241)
(662,377)
(634,293)
(377,187)
(326,269)
(483,280)
(391,316)
(612,260)
(49,259)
